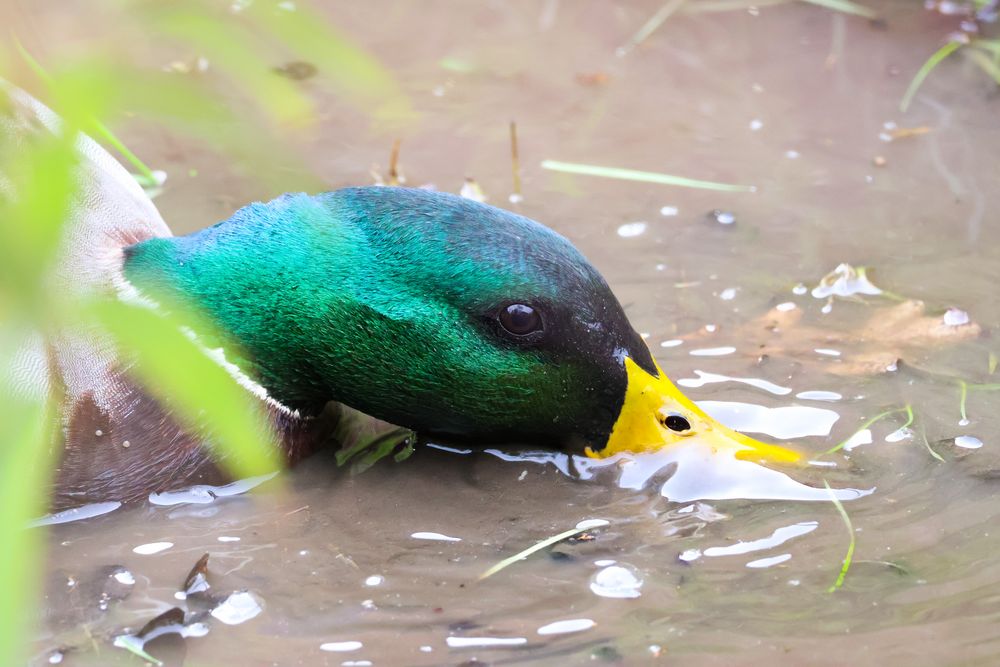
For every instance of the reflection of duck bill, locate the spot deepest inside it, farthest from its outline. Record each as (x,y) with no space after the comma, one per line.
(655,414)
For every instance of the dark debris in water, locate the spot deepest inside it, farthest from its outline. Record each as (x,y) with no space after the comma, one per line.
(297,70)
(197,579)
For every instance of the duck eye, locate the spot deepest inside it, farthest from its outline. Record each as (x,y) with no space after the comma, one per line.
(519,319)
(677,423)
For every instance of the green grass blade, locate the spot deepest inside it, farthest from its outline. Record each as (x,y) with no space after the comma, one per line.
(877,418)
(538,546)
(95,127)
(25,471)
(925,69)
(643,176)
(985,62)
(963,396)
(846,7)
(849,556)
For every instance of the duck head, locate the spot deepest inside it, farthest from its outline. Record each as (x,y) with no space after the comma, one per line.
(459,320)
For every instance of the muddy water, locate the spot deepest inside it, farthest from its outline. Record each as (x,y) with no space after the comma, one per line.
(790,99)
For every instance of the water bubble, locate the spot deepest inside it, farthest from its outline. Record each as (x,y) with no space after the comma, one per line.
(632,229)
(723,217)
(482,642)
(712,351)
(817,395)
(152,548)
(756,124)
(844,281)
(956,317)
(862,437)
(617,581)
(968,442)
(792,155)
(689,555)
(567,626)
(239,607)
(374,580)
(899,434)
(340,647)
(668,211)
(777,538)
(728,294)
(769,562)
(800,289)
(435,536)
(671,343)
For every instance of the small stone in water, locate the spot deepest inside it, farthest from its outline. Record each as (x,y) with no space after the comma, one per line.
(723,217)
(616,581)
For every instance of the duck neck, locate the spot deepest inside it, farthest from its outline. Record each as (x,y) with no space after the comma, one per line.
(255,277)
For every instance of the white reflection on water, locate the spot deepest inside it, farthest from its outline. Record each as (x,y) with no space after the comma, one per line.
(778,537)
(711,378)
(700,472)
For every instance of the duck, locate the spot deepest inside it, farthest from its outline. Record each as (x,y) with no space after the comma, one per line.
(456,320)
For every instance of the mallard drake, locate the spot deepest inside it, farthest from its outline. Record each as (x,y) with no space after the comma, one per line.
(455,319)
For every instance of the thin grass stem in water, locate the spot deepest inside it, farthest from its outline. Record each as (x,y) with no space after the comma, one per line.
(643,176)
(538,546)
(849,556)
(877,418)
(667,10)
(963,395)
(515,162)
(148,178)
(925,69)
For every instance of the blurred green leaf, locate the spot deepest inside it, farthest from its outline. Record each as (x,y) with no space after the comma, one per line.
(179,372)
(25,468)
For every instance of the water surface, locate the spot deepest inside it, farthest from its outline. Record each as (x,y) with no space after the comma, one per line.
(792,99)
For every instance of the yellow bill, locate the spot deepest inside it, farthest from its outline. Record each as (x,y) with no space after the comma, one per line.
(656,414)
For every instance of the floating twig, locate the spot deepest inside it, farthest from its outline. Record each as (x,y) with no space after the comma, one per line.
(394,163)
(849,556)
(515,164)
(644,176)
(521,555)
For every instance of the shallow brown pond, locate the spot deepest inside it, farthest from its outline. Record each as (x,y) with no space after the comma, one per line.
(791,99)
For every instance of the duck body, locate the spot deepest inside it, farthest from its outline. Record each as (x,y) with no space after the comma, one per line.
(439,314)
